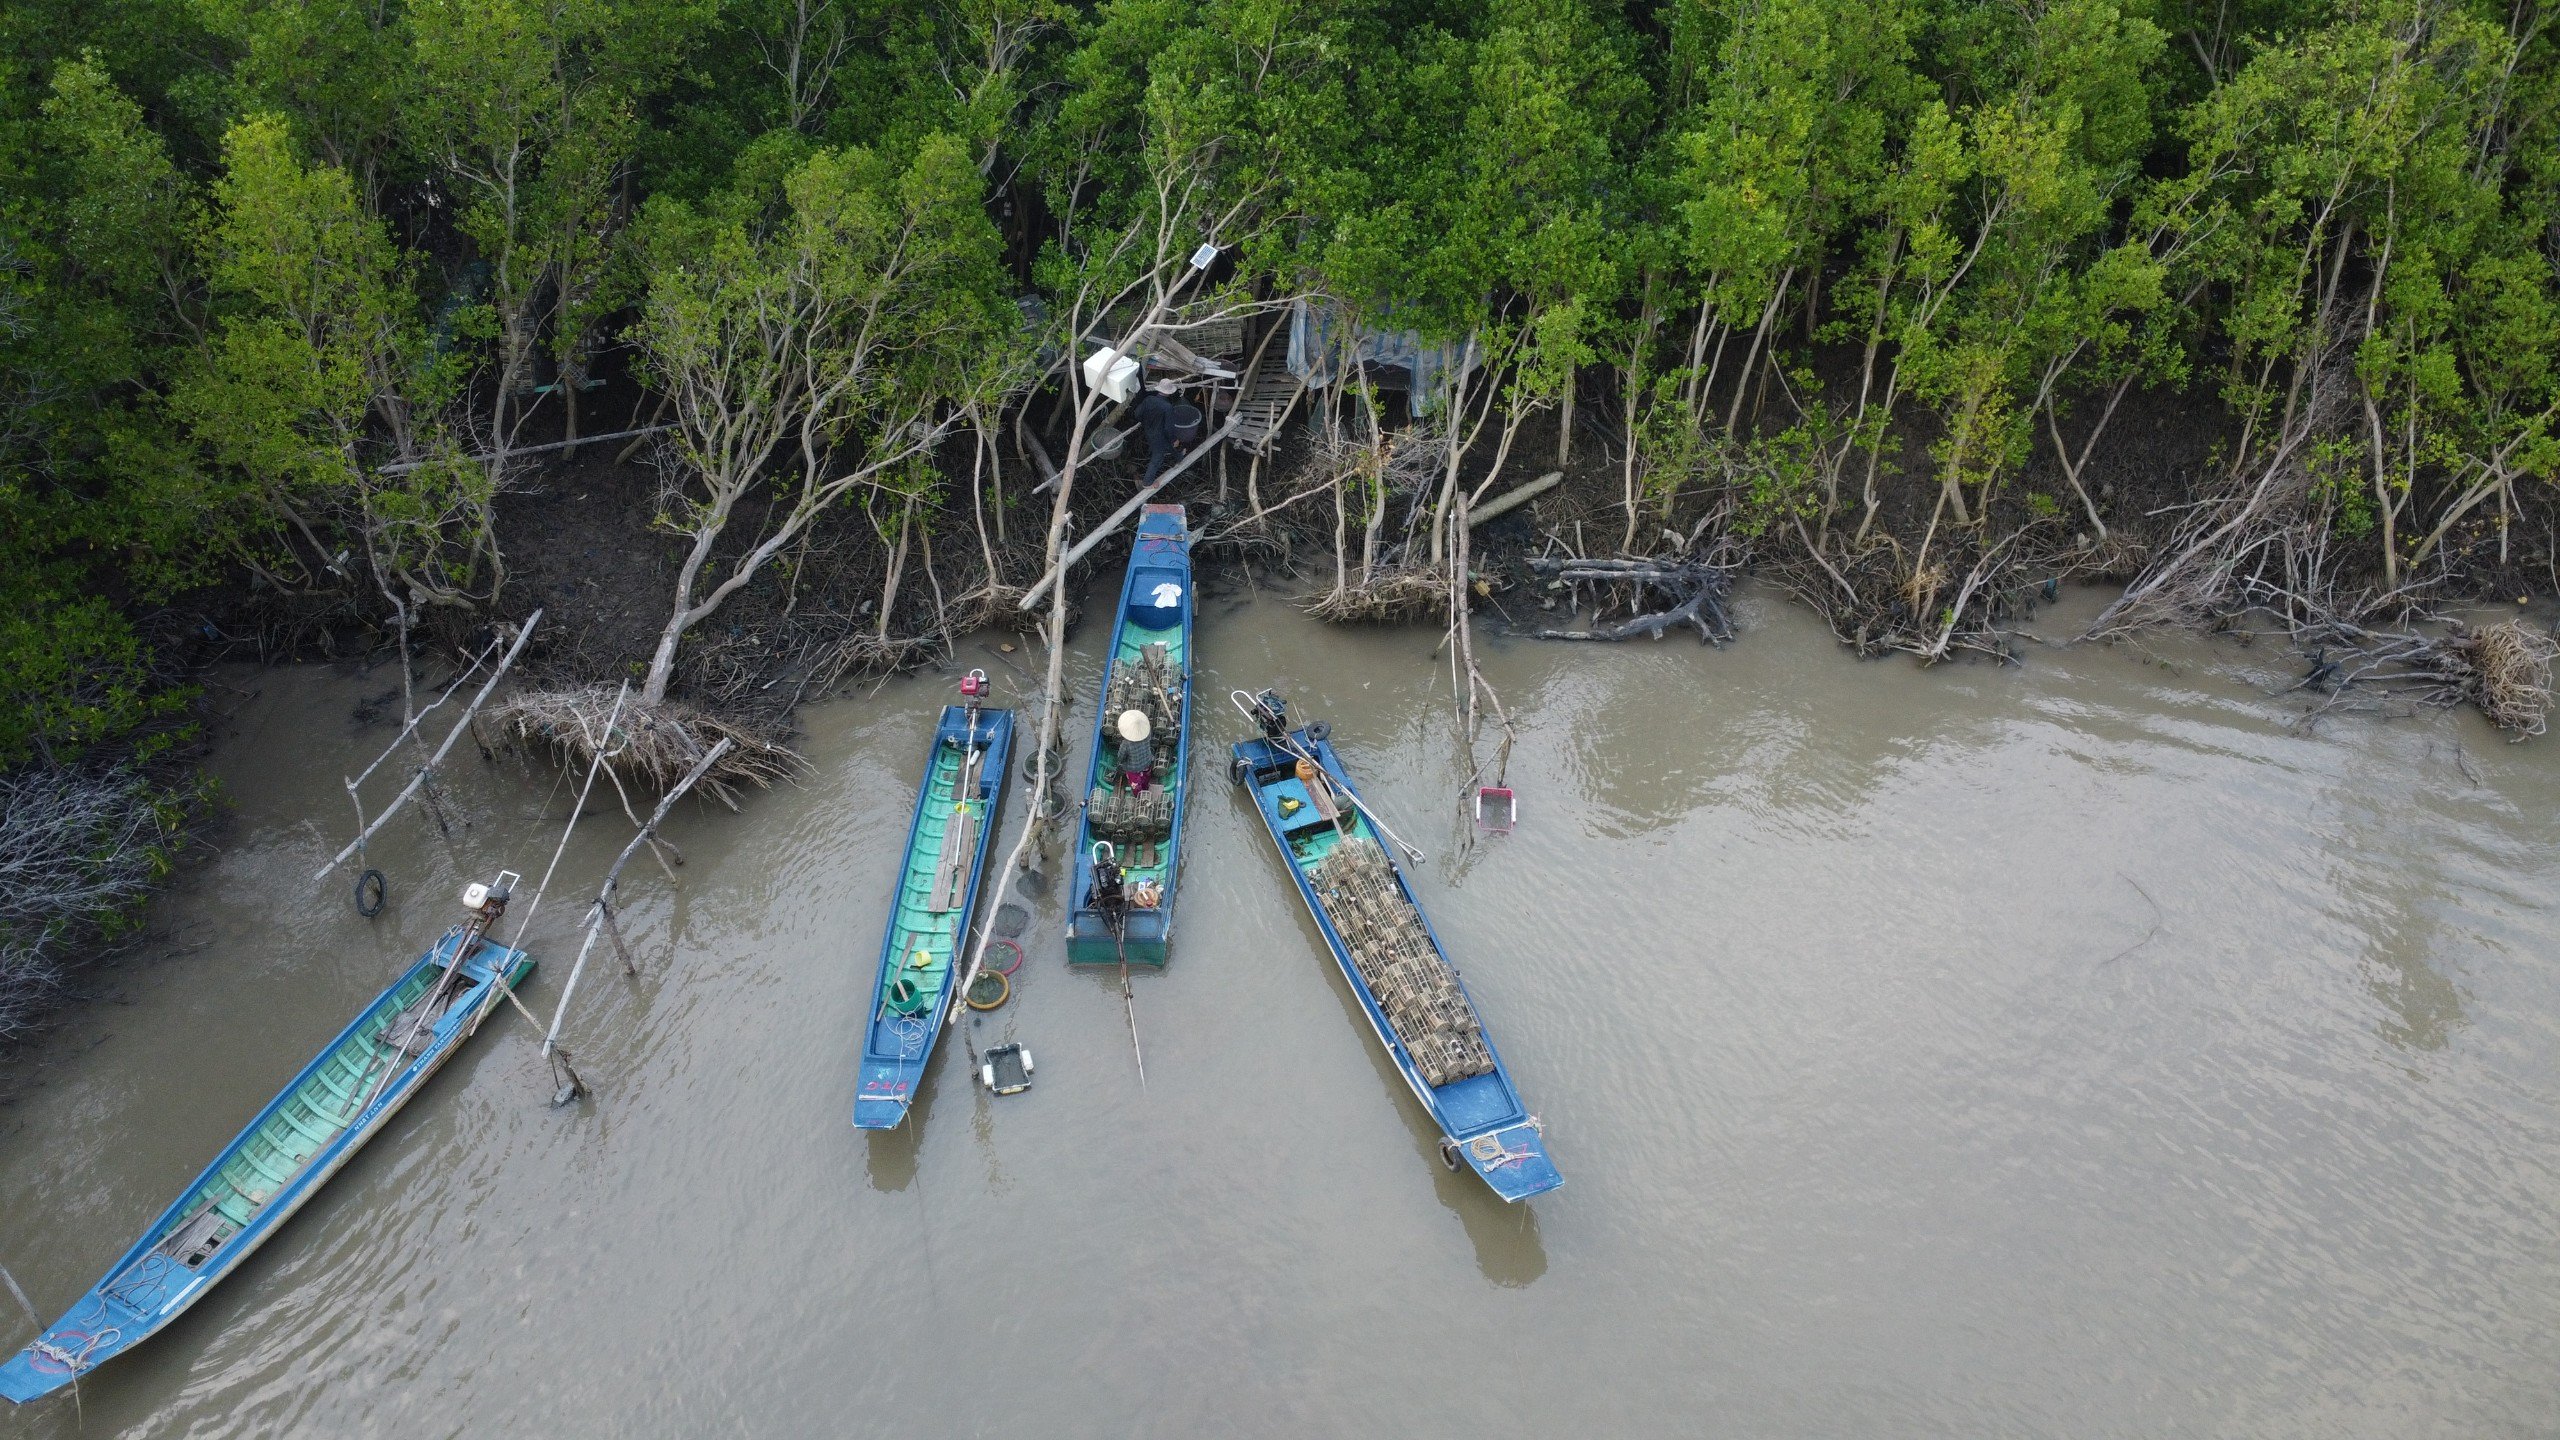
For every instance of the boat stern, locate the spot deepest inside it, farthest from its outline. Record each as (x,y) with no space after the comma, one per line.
(1513,1161)
(881,1110)
(1090,942)
(886,1094)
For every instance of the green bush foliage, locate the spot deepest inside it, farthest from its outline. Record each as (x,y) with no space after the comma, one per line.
(273,275)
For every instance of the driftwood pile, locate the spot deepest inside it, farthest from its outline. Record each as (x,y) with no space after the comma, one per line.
(1692,594)
(655,746)
(2510,674)
(2504,669)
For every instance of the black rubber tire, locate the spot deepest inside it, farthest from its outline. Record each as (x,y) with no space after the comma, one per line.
(1449,1155)
(372,893)
(1235,769)
(1319,730)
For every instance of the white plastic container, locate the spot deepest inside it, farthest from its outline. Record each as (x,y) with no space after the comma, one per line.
(1112,373)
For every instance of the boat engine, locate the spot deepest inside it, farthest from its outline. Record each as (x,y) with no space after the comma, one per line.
(1110,893)
(973,692)
(1271,712)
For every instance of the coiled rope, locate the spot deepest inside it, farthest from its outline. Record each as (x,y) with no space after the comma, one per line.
(73,1362)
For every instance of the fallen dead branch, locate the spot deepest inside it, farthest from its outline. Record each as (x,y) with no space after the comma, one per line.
(1695,591)
(418,779)
(1467,679)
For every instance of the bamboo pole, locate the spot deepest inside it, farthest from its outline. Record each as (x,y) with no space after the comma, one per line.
(597,908)
(1093,537)
(437,758)
(406,467)
(420,718)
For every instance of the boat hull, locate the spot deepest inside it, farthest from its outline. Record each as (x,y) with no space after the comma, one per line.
(1156,608)
(1483,1123)
(149,1287)
(899,1037)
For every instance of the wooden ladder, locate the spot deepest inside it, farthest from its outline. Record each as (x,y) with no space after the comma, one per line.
(1270,393)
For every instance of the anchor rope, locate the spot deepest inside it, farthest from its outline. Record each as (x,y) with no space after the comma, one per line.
(73,1363)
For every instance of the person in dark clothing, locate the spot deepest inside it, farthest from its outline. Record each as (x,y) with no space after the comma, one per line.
(1154,415)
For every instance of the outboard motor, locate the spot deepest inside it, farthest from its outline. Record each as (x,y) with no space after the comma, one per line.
(1110,892)
(487,904)
(973,692)
(1271,712)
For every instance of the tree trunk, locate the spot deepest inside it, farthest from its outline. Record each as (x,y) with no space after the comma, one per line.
(1377,516)
(1751,357)
(978,458)
(1564,424)
(897,568)
(1341,529)
(662,662)
(568,414)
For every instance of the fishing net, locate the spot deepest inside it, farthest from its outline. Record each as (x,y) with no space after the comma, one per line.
(1121,816)
(1394,954)
(1150,683)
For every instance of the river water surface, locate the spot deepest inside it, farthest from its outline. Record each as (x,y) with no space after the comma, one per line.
(2079,1049)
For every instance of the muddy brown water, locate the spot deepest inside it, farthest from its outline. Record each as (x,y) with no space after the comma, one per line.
(2076,1049)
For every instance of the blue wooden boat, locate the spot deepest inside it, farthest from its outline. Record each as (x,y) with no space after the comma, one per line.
(1389,953)
(1128,838)
(937,892)
(322,1118)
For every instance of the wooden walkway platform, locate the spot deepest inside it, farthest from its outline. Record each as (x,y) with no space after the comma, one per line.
(1270,393)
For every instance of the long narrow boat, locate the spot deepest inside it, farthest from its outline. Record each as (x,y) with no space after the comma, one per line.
(1137,832)
(929,913)
(1389,953)
(323,1117)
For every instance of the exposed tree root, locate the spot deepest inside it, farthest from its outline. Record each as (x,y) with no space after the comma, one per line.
(653,746)
(2504,669)
(1405,593)
(1877,603)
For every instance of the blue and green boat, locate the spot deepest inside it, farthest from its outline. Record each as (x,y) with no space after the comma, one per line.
(937,892)
(322,1118)
(1130,834)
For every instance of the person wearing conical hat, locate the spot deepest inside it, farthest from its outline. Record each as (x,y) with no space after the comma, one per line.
(1137,752)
